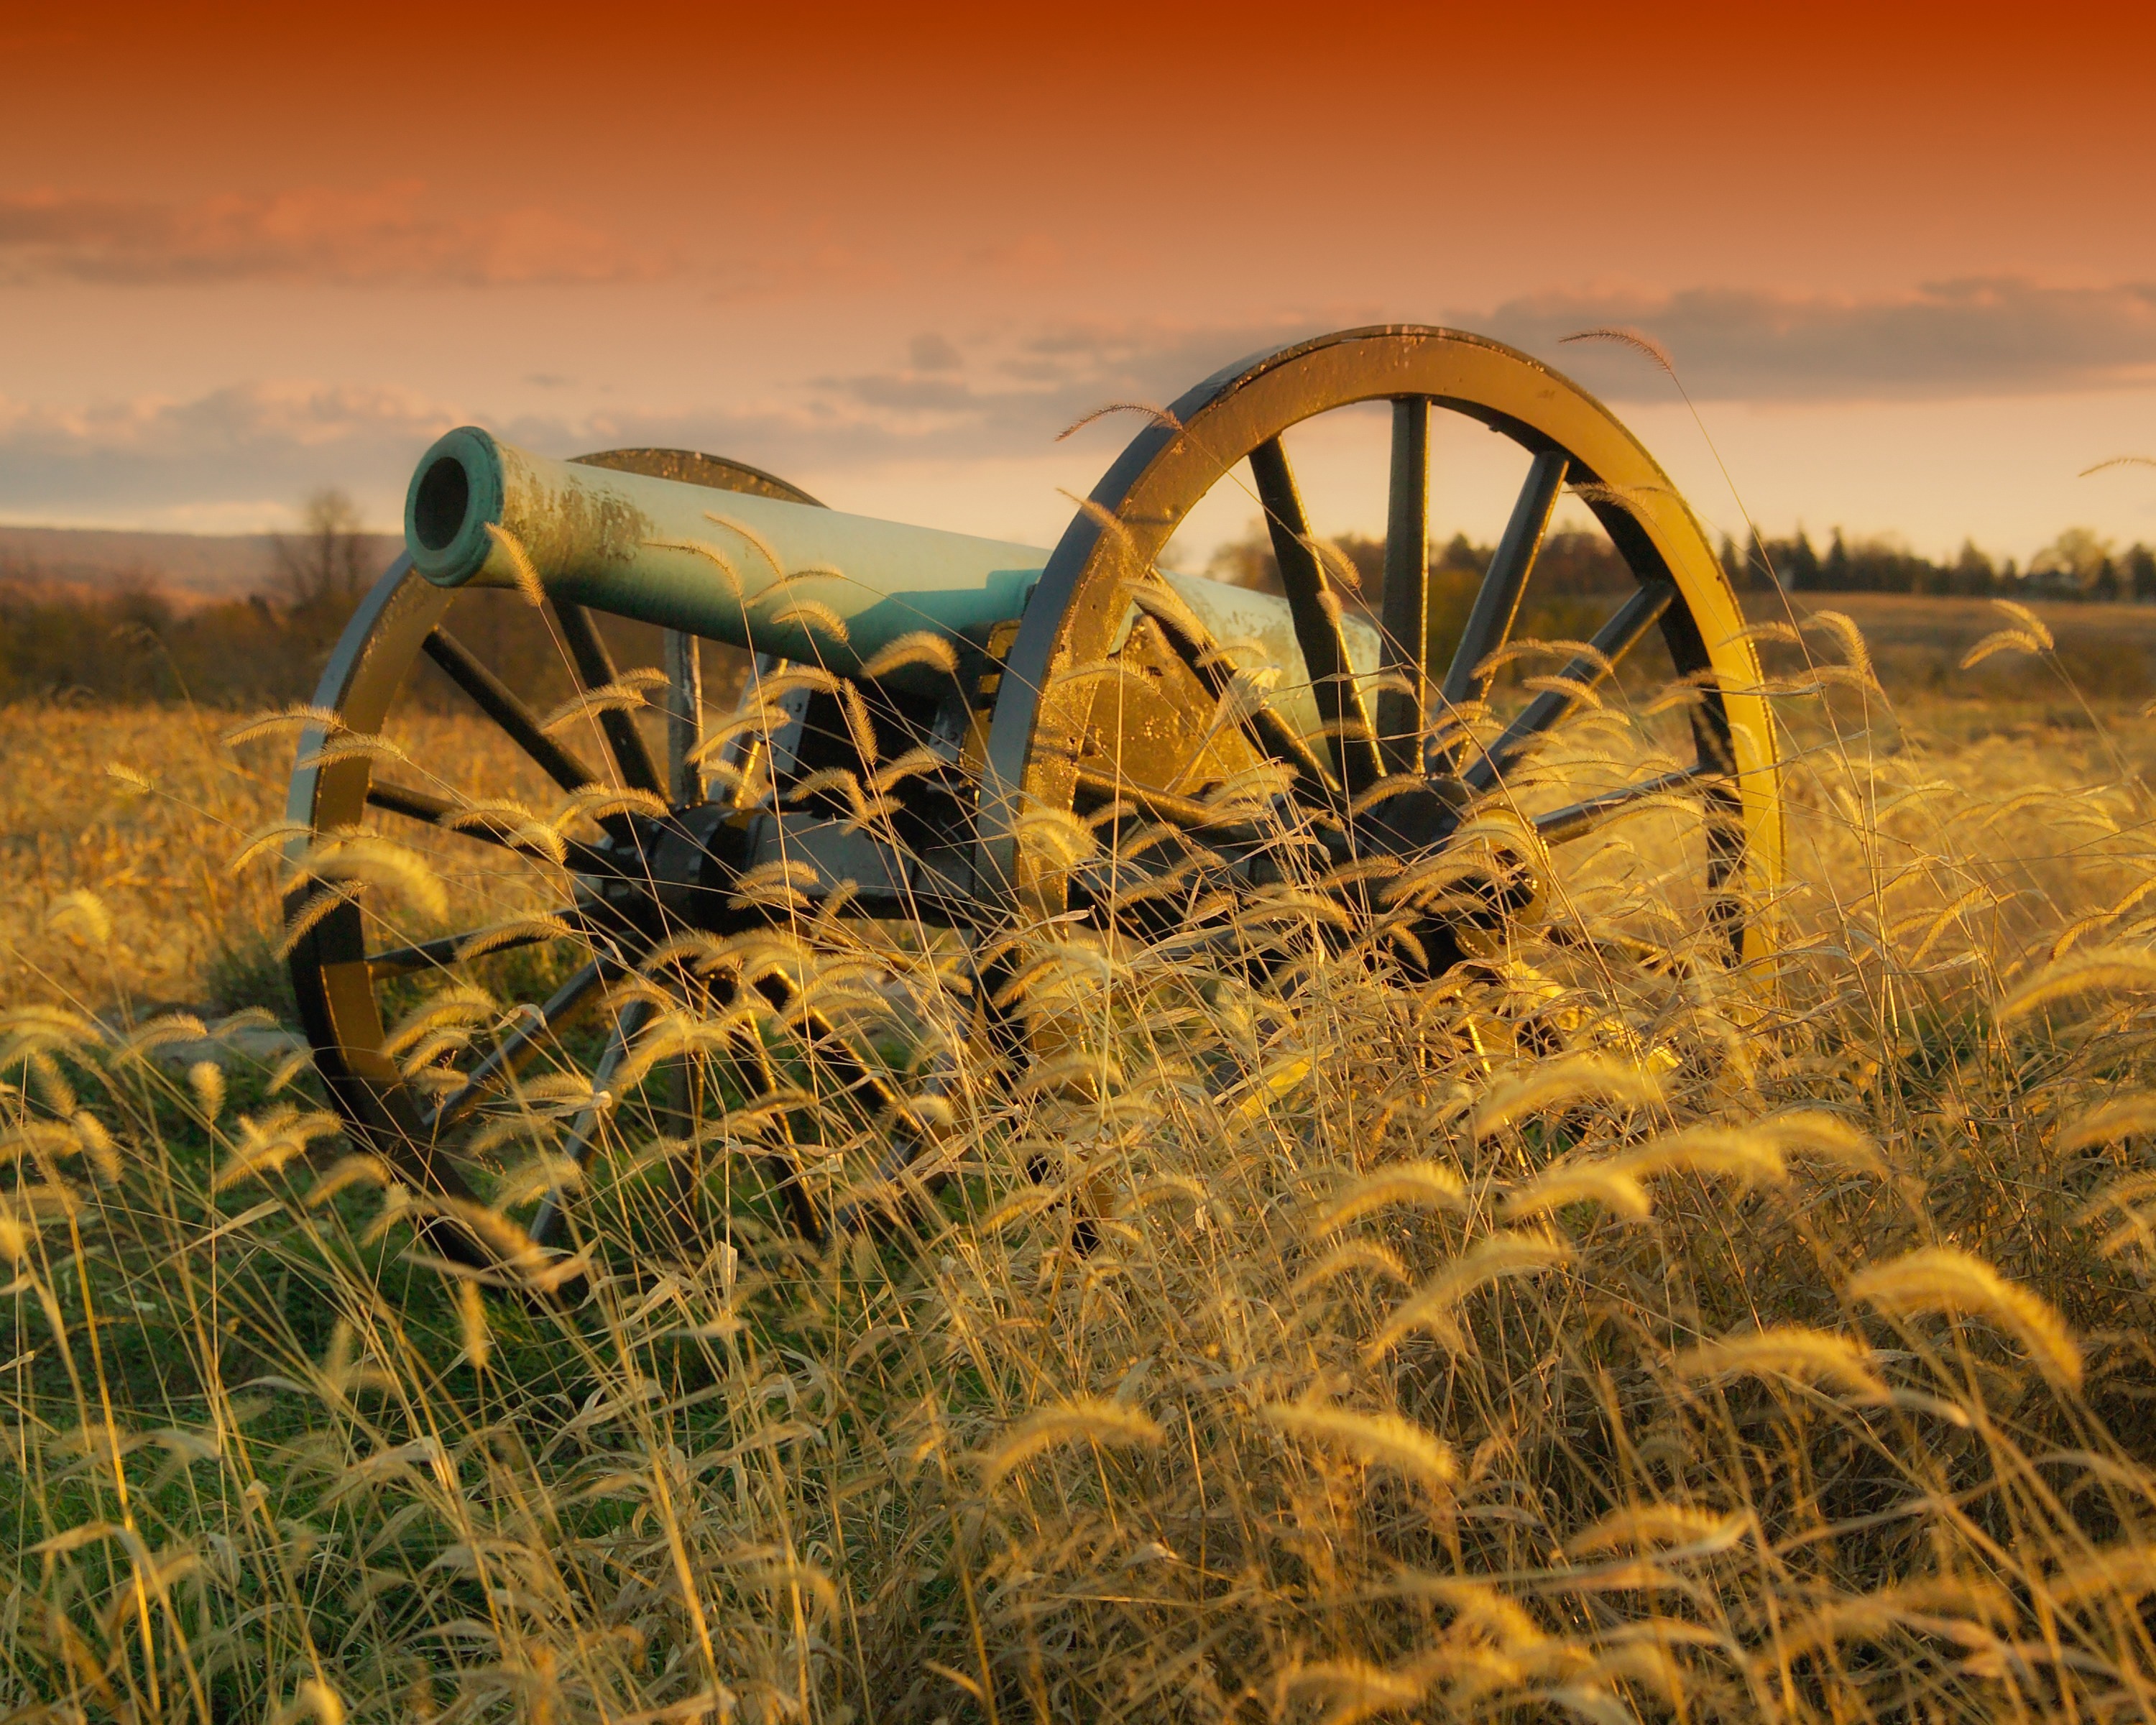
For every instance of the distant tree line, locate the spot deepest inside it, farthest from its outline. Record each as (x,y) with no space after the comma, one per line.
(1569,565)
(136,643)
(2078,565)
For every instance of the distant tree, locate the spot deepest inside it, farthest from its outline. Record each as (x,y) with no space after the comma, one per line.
(323,569)
(1971,573)
(1462,552)
(2139,565)
(1834,572)
(1881,563)
(1799,564)
(1752,567)
(1570,563)
(1247,561)
(1367,556)
(2072,564)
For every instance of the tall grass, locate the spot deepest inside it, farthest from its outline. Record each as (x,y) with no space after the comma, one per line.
(1595,1332)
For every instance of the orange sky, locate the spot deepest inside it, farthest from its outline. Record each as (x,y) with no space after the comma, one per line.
(1904,260)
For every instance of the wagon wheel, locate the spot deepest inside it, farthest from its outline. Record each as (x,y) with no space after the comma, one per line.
(429,1073)
(1122,794)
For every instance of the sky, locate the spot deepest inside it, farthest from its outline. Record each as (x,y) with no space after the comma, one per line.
(1900,257)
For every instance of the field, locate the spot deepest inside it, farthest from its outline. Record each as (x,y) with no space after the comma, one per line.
(2107,653)
(1597,1333)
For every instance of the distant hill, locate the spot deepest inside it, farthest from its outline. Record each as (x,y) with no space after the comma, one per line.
(186,569)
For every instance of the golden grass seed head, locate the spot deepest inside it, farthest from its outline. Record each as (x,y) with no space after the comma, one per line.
(471,1320)
(1568,1081)
(2130,1115)
(1085,1419)
(1750,1155)
(1419,1185)
(1603,1183)
(2110,970)
(1498,1257)
(1657,1525)
(81,915)
(1944,1279)
(523,572)
(205,1079)
(1792,1351)
(1380,1440)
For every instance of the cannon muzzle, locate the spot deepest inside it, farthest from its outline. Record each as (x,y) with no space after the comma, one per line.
(773,576)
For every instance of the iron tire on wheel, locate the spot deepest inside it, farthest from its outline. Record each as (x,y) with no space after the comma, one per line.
(400,622)
(1112,545)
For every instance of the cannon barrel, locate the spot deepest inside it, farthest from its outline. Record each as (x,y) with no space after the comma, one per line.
(769,576)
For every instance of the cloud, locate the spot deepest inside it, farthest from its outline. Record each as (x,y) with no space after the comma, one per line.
(908,390)
(247,452)
(147,458)
(259,446)
(931,352)
(1987,337)
(263,445)
(370,238)
(1027,394)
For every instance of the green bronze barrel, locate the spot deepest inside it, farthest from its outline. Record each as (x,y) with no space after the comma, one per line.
(773,576)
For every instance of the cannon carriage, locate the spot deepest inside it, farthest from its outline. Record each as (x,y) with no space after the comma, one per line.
(813,927)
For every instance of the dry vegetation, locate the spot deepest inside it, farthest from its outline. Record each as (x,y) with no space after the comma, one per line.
(1594,1334)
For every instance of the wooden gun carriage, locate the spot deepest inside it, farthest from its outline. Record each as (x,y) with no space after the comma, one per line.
(952,755)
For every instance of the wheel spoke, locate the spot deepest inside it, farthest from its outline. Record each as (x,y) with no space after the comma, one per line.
(518,1043)
(685,717)
(628,1022)
(1577,819)
(595,669)
(1497,600)
(1401,714)
(1316,615)
(1611,642)
(440,812)
(435,954)
(499,703)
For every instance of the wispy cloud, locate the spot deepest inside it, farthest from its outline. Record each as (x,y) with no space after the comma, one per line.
(1994,335)
(263,443)
(1021,394)
(953,399)
(381,236)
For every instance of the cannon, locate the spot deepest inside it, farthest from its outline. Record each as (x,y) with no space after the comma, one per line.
(954,759)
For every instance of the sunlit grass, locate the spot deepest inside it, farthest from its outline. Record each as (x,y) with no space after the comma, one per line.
(1595,1332)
